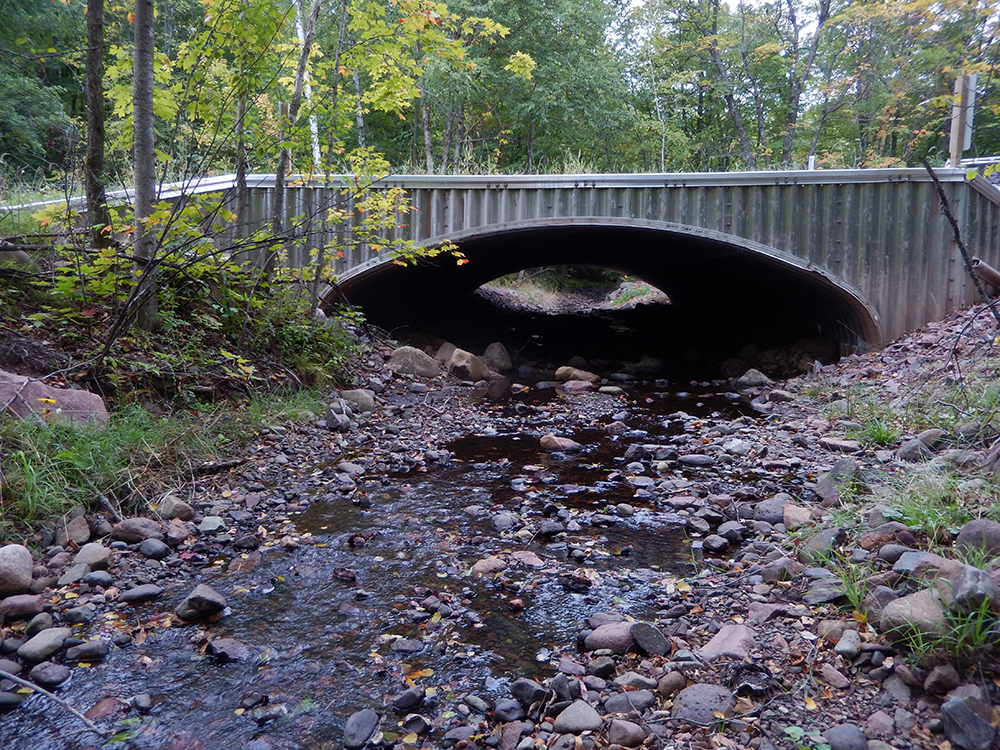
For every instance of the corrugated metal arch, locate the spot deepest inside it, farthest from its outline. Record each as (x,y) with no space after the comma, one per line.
(694,266)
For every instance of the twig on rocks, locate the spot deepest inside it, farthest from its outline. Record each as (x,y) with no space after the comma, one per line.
(52,696)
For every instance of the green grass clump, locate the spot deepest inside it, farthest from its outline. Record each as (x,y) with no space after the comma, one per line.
(45,470)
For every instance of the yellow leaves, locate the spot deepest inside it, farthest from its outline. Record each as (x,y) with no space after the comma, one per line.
(521,64)
(811,705)
(411,739)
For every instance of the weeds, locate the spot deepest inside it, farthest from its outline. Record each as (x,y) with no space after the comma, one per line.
(48,469)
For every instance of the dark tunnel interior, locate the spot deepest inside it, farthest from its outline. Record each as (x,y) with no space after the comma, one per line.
(724,297)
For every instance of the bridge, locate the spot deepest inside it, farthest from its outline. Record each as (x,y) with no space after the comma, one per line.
(857,256)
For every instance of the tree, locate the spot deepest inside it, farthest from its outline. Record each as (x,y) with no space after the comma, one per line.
(93,163)
(144,161)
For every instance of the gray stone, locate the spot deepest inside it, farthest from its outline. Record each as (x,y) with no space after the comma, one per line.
(737,447)
(90,651)
(20,607)
(228,650)
(362,400)
(967,723)
(732,531)
(699,703)
(880,725)
(566,373)
(846,737)
(696,459)
(896,687)
(134,530)
(843,477)
(408,360)
(914,450)
(15,569)
(633,700)
(672,682)
(782,569)
(649,638)
(75,530)
(751,379)
(504,521)
(615,636)
(154,549)
(47,643)
(359,728)
(839,445)
(968,589)
(920,614)
(80,615)
(202,602)
(528,691)
(849,645)
(508,709)
(771,511)
(95,555)
(821,545)
(715,544)
(979,536)
(38,623)
(171,507)
(212,525)
(625,733)
(49,675)
(941,679)
(467,366)
(74,575)
(731,642)
(497,358)
(577,718)
(635,681)
(138,594)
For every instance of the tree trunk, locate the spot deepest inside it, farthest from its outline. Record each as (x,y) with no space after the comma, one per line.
(242,192)
(144,157)
(331,148)
(531,148)
(359,112)
(289,127)
(98,216)
(425,118)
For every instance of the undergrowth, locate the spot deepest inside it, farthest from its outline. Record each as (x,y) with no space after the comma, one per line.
(48,469)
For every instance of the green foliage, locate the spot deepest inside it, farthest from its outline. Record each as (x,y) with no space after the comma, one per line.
(806,740)
(48,469)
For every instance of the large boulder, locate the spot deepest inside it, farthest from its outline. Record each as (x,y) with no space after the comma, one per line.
(408,360)
(497,357)
(467,366)
(32,399)
(15,569)
(567,373)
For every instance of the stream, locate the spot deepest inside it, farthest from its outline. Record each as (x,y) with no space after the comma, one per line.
(380,593)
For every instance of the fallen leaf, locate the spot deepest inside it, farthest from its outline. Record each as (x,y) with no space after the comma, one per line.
(811,704)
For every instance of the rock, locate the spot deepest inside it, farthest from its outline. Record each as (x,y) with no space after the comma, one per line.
(528,692)
(177,532)
(577,718)
(649,638)
(75,530)
(941,679)
(361,400)
(564,374)
(838,445)
(508,709)
(980,536)
(968,589)
(138,594)
(90,651)
(695,459)
(202,602)
(74,575)
(409,699)
(47,643)
(832,677)
(796,516)
(849,645)
(846,737)
(715,544)
(633,700)
(842,478)
(171,507)
(699,703)
(228,650)
(821,545)
(914,450)
(20,607)
(967,723)
(615,636)
(95,556)
(408,360)
(556,443)
(362,724)
(731,642)
(488,566)
(751,379)
(625,733)
(782,569)
(80,615)
(920,614)
(15,568)
(779,396)
(212,525)
(49,675)
(154,549)
(467,366)
(134,530)
(772,510)
(38,623)
(75,408)
(497,358)
(672,682)
(737,447)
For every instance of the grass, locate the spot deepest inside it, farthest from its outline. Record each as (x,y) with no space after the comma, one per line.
(967,638)
(48,469)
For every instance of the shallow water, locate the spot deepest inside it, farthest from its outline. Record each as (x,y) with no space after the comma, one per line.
(322,646)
